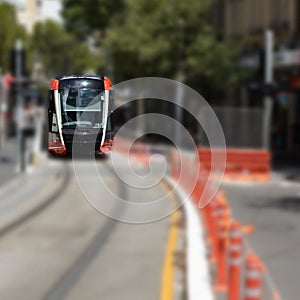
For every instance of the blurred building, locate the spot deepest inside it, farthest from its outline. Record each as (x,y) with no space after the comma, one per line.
(29,12)
(244,17)
(246,21)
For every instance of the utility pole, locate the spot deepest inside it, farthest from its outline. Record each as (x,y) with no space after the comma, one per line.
(268,80)
(179,109)
(19,107)
(2,96)
(179,93)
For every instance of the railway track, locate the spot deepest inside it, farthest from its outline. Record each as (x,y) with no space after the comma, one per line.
(65,283)
(66,174)
(68,242)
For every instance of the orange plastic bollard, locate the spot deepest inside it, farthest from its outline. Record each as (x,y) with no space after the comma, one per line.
(235,255)
(223,219)
(207,215)
(248,229)
(212,230)
(253,278)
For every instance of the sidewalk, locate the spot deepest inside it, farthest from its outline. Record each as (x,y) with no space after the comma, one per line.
(8,161)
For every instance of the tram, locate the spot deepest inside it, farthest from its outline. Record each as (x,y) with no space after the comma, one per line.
(81,105)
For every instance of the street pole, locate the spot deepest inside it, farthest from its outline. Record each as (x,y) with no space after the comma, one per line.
(2,95)
(268,103)
(179,93)
(178,109)
(19,108)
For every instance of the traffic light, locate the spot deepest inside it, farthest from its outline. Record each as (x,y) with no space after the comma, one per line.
(18,60)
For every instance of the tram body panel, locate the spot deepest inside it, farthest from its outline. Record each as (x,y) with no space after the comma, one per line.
(80,105)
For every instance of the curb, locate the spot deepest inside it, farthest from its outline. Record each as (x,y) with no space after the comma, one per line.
(198,275)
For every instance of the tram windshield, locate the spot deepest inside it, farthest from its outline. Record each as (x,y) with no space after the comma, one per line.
(82,107)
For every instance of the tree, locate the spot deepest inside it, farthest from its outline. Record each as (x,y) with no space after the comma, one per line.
(172,39)
(168,38)
(10,30)
(58,51)
(85,17)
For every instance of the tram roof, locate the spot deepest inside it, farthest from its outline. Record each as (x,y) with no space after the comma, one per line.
(83,76)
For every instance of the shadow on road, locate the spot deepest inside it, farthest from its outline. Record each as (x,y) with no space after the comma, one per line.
(291,204)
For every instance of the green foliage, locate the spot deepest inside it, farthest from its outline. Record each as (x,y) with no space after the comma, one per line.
(83,17)
(213,60)
(59,51)
(168,38)
(172,39)
(10,30)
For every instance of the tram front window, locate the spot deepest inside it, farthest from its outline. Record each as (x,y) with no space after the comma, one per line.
(82,107)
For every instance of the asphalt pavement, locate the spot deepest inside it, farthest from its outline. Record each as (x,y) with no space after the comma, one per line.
(273,208)
(69,250)
(8,156)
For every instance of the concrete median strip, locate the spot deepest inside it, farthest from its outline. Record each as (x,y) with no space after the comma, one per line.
(198,278)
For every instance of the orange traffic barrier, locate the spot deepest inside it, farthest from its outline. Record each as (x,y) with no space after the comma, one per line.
(253,278)
(224,236)
(241,164)
(235,260)
(222,214)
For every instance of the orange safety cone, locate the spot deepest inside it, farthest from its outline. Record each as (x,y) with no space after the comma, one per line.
(235,255)
(212,231)
(223,218)
(253,278)
(207,215)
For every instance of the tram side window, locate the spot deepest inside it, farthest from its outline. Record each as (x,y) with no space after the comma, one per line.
(52,114)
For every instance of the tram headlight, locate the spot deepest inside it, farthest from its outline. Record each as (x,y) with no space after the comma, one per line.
(55,146)
(106,148)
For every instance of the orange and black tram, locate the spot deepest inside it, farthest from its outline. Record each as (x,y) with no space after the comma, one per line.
(79,114)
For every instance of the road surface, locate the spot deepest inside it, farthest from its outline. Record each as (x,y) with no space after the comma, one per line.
(274,209)
(68,250)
